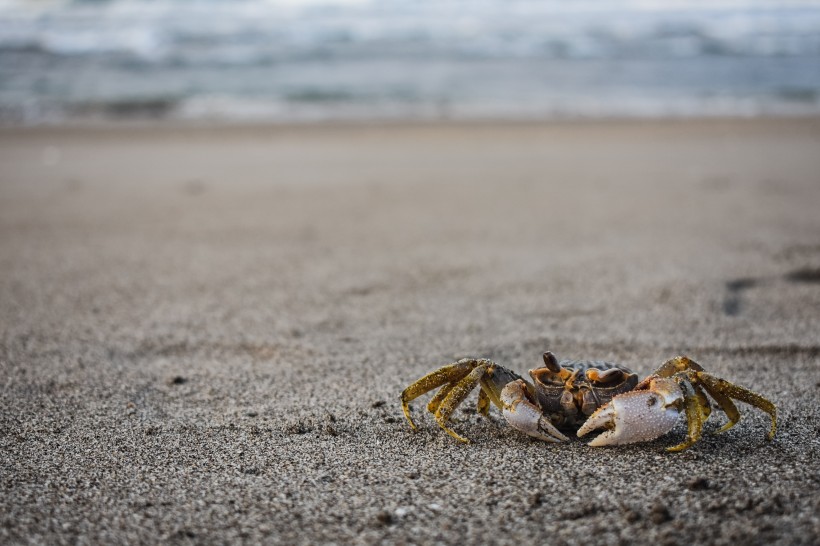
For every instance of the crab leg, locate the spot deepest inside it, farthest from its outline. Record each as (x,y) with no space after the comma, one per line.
(525,416)
(725,403)
(695,415)
(715,384)
(703,401)
(456,396)
(721,390)
(637,416)
(447,374)
(438,398)
(483,405)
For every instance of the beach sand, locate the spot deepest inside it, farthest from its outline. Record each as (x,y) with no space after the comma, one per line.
(205,331)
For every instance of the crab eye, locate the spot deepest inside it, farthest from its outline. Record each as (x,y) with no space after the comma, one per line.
(605,377)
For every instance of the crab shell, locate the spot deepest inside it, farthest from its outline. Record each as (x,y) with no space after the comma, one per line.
(568,394)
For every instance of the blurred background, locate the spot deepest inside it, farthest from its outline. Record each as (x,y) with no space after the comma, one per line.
(326,60)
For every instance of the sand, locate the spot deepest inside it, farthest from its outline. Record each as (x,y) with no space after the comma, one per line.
(205,331)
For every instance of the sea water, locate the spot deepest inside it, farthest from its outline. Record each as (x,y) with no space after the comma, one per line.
(319,60)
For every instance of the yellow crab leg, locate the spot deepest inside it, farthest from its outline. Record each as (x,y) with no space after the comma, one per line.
(704,405)
(435,401)
(446,374)
(456,396)
(725,403)
(483,406)
(487,389)
(676,365)
(739,393)
(694,416)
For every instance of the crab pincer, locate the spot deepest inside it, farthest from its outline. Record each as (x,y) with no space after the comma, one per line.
(636,416)
(523,413)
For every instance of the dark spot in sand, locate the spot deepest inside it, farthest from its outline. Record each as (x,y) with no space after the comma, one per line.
(251,413)
(536,499)
(744,505)
(413,475)
(631,516)
(251,471)
(774,505)
(362,290)
(651,401)
(384,518)
(587,509)
(799,250)
(389,419)
(731,306)
(698,483)
(330,430)
(743,283)
(178,380)
(733,302)
(807,275)
(298,428)
(716,506)
(659,513)
(378,404)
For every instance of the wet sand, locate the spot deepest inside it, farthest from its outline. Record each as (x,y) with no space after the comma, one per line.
(205,331)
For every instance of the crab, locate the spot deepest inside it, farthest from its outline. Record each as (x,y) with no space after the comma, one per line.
(585,396)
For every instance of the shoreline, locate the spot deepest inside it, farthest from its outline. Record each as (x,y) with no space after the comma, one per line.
(272,126)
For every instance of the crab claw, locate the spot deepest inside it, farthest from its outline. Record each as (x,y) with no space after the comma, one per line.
(523,414)
(637,416)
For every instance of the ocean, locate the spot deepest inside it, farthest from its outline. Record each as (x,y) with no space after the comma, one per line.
(339,60)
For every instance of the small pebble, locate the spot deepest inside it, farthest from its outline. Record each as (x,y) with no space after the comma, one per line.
(698,484)
(384,518)
(659,514)
(631,516)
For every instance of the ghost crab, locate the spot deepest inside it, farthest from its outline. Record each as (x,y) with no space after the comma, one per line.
(586,396)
